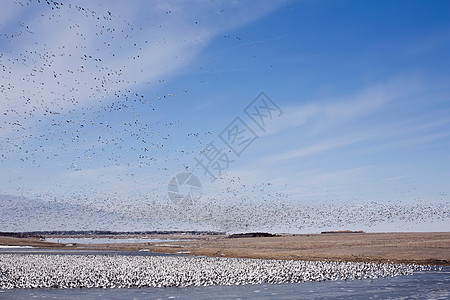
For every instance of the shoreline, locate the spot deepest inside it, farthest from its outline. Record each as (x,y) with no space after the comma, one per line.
(426,248)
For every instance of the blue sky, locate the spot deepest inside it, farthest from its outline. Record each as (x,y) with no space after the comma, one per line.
(102,107)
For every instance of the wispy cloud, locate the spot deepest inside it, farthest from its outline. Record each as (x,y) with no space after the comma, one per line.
(410,142)
(325,113)
(74,58)
(316,148)
(396,178)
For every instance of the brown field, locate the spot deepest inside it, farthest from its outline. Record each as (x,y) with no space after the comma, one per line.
(421,248)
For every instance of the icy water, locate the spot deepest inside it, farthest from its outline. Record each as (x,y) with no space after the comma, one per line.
(105,240)
(421,285)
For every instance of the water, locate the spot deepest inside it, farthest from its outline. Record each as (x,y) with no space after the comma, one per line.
(106,240)
(15,247)
(421,285)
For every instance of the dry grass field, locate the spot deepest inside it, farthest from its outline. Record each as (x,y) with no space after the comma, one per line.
(422,248)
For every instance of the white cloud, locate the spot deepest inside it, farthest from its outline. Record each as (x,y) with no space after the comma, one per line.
(396,178)
(411,142)
(370,100)
(316,148)
(326,113)
(150,41)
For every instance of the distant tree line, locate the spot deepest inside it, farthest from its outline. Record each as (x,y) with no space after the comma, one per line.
(252,234)
(342,231)
(20,234)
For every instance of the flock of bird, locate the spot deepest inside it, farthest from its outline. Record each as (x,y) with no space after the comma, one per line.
(235,215)
(52,86)
(102,271)
(78,103)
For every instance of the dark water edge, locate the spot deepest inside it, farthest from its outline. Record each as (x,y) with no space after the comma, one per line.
(421,285)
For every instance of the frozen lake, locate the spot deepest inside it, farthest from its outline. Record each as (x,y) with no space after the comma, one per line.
(105,240)
(421,285)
